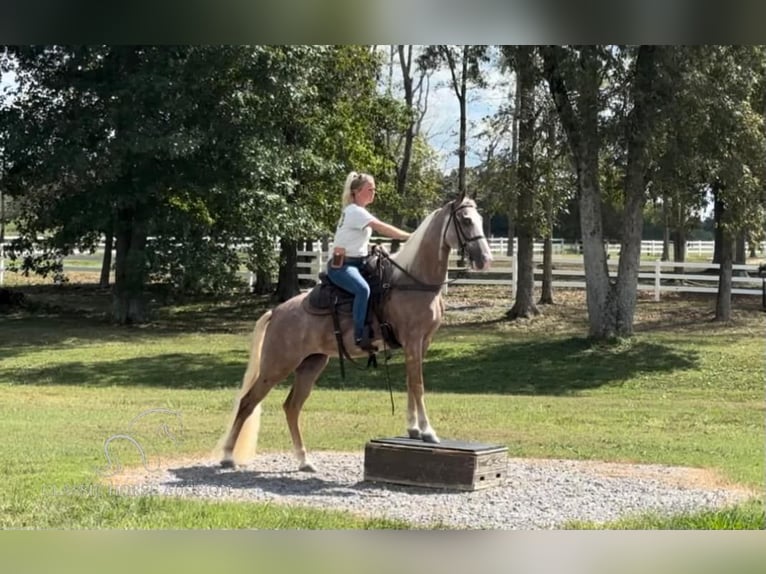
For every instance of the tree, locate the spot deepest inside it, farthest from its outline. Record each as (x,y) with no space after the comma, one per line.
(735,146)
(173,143)
(712,145)
(554,187)
(415,96)
(524,305)
(463,64)
(332,120)
(574,77)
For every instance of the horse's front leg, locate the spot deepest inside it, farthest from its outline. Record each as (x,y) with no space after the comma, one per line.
(417,419)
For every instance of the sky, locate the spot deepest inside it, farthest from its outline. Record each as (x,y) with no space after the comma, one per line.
(441,123)
(6,79)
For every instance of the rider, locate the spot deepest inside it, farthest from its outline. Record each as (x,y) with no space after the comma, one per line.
(350,247)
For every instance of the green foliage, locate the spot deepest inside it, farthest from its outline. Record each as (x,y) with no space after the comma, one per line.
(196,147)
(712,134)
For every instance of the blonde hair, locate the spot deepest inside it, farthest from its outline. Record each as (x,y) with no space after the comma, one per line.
(354,182)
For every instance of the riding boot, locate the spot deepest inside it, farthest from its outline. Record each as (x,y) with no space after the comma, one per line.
(365,343)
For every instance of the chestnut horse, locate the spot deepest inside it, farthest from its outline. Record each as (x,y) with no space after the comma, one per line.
(288,339)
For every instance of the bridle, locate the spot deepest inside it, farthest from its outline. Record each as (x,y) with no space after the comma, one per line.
(461,236)
(462,239)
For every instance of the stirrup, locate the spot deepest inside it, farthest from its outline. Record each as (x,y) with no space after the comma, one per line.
(366,345)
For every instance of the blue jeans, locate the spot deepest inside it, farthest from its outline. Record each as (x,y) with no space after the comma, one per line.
(350,279)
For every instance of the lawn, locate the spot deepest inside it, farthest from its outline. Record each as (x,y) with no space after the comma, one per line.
(683,391)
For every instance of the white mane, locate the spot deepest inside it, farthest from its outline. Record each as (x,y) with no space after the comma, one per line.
(406,254)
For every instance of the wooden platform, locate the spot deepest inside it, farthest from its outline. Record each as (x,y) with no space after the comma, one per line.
(451,464)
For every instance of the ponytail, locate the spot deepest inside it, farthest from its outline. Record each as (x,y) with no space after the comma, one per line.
(354,181)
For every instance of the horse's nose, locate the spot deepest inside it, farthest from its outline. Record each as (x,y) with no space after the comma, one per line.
(485,263)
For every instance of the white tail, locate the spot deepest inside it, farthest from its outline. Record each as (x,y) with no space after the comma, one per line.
(247,441)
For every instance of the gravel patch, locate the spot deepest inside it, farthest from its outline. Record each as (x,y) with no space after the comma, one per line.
(538,494)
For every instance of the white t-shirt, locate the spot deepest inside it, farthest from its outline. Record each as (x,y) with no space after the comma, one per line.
(353,232)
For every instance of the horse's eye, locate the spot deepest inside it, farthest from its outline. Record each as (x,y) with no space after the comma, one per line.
(466,220)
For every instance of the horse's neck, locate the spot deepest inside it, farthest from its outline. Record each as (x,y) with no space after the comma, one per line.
(427,259)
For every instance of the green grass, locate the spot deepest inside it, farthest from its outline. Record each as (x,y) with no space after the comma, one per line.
(683,391)
(748,516)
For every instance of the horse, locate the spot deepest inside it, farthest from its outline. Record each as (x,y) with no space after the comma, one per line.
(288,339)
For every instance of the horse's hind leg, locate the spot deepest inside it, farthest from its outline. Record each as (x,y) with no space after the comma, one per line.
(251,400)
(305,376)
(247,405)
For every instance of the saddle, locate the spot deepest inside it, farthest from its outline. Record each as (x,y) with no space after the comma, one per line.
(326,298)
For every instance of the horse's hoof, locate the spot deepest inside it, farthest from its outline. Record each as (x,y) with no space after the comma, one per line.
(430,437)
(307,467)
(414,433)
(228,464)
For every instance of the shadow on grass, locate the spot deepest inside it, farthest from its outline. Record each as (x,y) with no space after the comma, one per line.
(553,367)
(172,371)
(54,328)
(550,367)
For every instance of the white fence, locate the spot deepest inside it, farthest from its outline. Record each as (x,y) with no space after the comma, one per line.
(655,276)
(650,247)
(568,273)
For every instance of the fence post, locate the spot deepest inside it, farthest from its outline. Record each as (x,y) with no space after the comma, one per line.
(2,264)
(657,275)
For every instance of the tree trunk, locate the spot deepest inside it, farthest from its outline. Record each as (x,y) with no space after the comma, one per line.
(511,232)
(2,216)
(718,219)
(287,284)
(524,305)
(740,249)
(640,123)
(597,283)
(106,262)
(128,301)
(463,125)
(263,284)
(679,248)
(610,307)
(402,171)
(514,167)
(546,297)
(665,232)
(723,302)
(581,127)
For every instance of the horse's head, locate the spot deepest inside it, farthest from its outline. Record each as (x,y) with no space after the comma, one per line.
(465,231)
